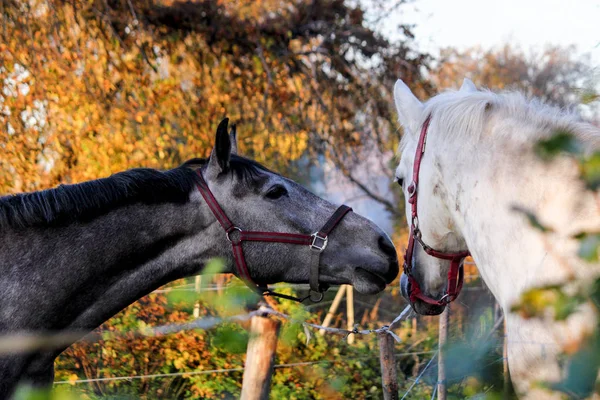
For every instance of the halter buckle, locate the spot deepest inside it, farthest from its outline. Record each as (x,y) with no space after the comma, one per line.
(319,242)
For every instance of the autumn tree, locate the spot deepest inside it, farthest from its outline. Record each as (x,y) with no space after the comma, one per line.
(555,74)
(93,87)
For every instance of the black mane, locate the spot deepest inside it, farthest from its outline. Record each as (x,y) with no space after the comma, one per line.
(84,201)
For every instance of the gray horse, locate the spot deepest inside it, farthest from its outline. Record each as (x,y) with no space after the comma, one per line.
(73,256)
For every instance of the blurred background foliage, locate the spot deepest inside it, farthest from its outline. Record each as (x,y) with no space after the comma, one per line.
(92,87)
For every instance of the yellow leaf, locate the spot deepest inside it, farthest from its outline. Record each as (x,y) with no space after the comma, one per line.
(73,378)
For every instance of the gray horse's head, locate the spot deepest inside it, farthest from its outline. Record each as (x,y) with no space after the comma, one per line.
(358,251)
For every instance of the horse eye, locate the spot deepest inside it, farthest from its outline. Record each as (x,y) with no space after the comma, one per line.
(400,182)
(276,192)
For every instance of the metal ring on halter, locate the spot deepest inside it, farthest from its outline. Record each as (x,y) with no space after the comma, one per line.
(318,299)
(415,222)
(412,188)
(444,297)
(228,233)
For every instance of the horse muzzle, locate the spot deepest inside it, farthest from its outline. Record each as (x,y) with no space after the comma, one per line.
(418,305)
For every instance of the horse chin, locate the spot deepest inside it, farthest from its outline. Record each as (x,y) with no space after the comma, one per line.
(423,308)
(366,282)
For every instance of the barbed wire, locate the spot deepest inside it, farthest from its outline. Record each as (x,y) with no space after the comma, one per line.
(338,331)
(22,342)
(227,370)
(190,287)
(419,376)
(434,391)
(33,341)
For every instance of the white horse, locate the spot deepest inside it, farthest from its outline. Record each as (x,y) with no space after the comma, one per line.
(478,168)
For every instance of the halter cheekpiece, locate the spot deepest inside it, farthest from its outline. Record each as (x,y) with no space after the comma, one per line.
(455,272)
(316,242)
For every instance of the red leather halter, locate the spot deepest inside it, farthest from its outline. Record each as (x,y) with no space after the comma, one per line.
(455,272)
(317,242)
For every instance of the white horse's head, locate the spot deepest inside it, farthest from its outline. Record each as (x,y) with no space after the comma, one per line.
(437,227)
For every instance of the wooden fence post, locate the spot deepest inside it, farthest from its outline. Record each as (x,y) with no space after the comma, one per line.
(334,306)
(389,375)
(197,286)
(350,311)
(443,338)
(260,358)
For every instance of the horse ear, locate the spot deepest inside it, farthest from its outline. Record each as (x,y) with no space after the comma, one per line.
(233,140)
(468,86)
(408,106)
(221,152)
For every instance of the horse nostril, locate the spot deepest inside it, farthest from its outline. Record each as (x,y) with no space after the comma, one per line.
(387,246)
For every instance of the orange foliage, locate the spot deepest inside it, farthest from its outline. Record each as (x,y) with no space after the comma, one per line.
(90,87)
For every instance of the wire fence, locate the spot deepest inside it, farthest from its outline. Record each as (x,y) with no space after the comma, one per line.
(228,370)
(35,341)
(207,323)
(25,342)
(28,342)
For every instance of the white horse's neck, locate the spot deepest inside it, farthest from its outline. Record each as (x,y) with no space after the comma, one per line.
(498,174)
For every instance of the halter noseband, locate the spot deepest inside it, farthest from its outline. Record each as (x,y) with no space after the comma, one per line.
(455,273)
(317,242)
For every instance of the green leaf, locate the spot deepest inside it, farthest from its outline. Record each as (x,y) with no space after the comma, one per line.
(594,293)
(561,142)
(258,66)
(237,297)
(589,96)
(582,370)
(565,306)
(231,339)
(535,302)
(590,171)
(588,246)
(290,334)
(214,266)
(180,296)
(532,218)
(29,393)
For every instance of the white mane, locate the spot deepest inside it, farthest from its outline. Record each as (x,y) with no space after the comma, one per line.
(458,113)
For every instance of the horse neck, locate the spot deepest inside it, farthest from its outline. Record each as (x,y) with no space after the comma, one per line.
(77,276)
(512,255)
